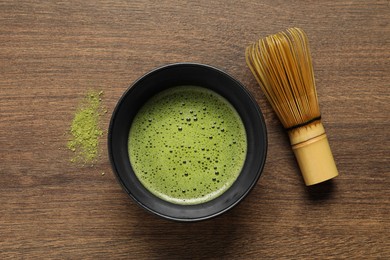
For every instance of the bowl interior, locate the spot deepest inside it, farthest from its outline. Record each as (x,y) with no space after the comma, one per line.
(178,75)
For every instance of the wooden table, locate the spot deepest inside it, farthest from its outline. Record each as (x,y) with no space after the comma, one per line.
(53,52)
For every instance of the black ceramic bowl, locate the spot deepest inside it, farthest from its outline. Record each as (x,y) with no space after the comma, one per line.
(178,75)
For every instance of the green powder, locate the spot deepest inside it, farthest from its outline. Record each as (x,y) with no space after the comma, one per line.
(85,131)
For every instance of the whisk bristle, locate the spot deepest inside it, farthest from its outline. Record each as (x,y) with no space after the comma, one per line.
(282,65)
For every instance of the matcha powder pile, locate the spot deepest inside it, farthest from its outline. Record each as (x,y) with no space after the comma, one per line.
(85,131)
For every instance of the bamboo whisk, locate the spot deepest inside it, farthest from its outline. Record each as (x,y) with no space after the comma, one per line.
(281,64)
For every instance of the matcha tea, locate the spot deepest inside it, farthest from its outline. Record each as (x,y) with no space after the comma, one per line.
(187,145)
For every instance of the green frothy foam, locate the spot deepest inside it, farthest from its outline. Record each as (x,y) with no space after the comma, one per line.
(187,145)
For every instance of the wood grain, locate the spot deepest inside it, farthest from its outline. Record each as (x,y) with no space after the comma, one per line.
(53,52)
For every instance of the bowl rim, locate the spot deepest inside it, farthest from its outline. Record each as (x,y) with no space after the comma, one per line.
(130,89)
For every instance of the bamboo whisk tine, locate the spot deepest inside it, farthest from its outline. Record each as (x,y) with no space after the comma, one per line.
(282,65)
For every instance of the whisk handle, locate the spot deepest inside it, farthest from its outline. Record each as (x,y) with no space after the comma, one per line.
(312,151)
